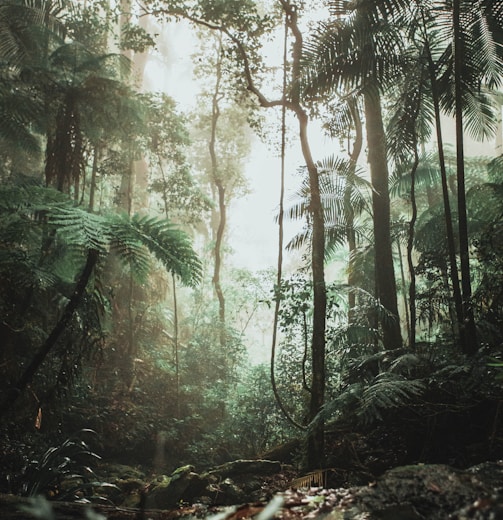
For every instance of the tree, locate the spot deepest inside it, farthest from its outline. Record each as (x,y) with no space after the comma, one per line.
(476,63)
(459,87)
(359,53)
(223,132)
(91,237)
(344,193)
(241,25)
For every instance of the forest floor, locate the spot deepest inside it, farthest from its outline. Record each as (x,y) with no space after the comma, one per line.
(373,475)
(405,493)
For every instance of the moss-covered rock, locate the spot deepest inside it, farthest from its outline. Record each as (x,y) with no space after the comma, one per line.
(183,485)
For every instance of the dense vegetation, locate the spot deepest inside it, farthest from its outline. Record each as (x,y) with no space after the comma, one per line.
(121,310)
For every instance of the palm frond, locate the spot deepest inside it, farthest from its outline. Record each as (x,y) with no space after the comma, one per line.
(25,27)
(427,174)
(355,53)
(431,231)
(410,123)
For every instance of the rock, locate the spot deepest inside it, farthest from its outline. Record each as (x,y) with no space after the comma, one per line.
(183,485)
(240,481)
(430,491)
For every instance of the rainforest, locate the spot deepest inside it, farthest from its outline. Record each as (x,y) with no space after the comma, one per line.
(251,259)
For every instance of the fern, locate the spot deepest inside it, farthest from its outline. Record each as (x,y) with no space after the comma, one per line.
(168,244)
(386,392)
(49,251)
(79,228)
(342,407)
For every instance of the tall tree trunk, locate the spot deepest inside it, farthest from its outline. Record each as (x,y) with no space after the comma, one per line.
(449,228)
(316,436)
(176,347)
(384,269)
(354,155)
(220,190)
(316,442)
(410,245)
(470,346)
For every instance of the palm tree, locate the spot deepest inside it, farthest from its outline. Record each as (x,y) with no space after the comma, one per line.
(344,197)
(476,63)
(461,92)
(359,54)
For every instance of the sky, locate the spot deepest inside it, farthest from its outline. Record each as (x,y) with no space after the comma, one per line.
(252,231)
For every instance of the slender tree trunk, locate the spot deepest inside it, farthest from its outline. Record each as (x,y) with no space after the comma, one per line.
(449,228)
(470,346)
(316,436)
(222,210)
(316,442)
(384,269)
(66,316)
(410,247)
(176,348)
(354,155)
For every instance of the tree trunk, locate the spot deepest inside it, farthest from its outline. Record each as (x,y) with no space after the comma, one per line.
(354,155)
(384,271)
(94,173)
(411,328)
(451,245)
(66,316)
(316,441)
(222,211)
(470,346)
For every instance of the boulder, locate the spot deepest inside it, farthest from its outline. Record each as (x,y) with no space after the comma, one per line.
(183,485)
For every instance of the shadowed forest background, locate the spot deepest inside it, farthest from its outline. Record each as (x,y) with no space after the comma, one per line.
(374,341)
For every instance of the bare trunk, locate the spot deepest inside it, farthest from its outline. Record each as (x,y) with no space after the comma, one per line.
(355,154)
(470,346)
(411,317)
(384,271)
(222,210)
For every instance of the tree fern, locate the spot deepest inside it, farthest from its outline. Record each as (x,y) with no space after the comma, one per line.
(48,244)
(168,244)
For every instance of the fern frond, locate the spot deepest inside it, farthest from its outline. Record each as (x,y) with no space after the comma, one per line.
(171,246)
(405,363)
(341,406)
(80,228)
(386,392)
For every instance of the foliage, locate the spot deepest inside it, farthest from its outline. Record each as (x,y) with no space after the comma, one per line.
(63,472)
(189,400)
(45,240)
